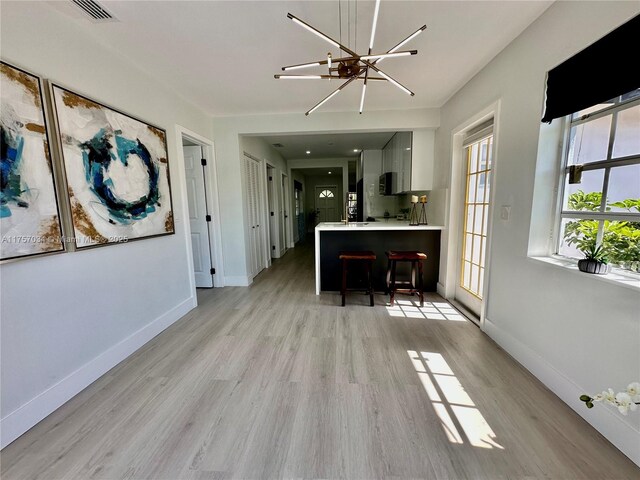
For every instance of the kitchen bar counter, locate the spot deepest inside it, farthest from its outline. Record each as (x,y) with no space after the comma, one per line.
(379,237)
(384,225)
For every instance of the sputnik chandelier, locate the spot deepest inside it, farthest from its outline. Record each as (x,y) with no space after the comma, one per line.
(352,67)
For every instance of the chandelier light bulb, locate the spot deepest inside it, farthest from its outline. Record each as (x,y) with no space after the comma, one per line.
(387,55)
(298,77)
(375,23)
(364,91)
(304,65)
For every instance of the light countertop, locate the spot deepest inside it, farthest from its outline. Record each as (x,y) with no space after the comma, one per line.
(384,225)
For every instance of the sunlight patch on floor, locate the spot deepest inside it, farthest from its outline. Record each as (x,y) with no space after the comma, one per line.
(430,311)
(461,420)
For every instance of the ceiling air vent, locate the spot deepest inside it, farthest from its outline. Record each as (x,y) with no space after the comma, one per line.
(96,11)
(278,145)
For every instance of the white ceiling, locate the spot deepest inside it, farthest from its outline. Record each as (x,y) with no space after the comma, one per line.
(320,172)
(339,145)
(222,55)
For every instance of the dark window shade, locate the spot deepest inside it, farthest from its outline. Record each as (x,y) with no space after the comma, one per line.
(297,185)
(604,70)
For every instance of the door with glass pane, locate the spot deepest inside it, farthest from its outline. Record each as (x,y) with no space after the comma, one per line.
(326,205)
(478,157)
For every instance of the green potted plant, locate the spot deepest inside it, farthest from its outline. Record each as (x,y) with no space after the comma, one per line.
(594,261)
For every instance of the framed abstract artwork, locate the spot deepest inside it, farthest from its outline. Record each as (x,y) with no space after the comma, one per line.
(117,172)
(29,214)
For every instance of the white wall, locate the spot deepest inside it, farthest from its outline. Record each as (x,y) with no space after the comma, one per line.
(227,133)
(576,333)
(68,318)
(260,148)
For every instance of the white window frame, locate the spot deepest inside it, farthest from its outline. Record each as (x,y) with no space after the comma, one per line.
(606,165)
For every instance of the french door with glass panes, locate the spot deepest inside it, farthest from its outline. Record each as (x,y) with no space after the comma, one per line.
(478,156)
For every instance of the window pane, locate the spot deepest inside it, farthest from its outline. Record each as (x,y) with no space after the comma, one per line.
(467,246)
(586,195)
(471,191)
(473,161)
(482,185)
(632,94)
(589,141)
(576,233)
(624,189)
(487,188)
(469,223)
(593,109)
(483,155)
(475,270)
(621,241)
(476,249)
(477,223)
(627,141)
(467,275)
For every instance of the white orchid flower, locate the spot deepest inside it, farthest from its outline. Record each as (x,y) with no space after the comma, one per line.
(633,389)
(609,396)
(623,399)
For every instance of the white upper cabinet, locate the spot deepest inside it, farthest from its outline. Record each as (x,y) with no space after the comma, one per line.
(410,155)
(422,159)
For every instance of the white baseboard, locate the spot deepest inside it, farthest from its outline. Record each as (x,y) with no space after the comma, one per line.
(26,416)
(441,290)
(606,420)
(237,281)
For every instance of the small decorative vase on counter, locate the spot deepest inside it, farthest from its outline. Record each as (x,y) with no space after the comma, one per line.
(593,266)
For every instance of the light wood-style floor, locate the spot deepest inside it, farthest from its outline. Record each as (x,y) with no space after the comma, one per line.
(271,381)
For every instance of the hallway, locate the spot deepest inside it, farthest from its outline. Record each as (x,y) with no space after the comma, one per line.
(272,381)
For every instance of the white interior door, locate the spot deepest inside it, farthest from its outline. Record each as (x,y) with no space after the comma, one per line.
(287,211)
(327,203)
(200,236)
(259,217)
(281,217)
(255,214)
(272,208)
(477,209)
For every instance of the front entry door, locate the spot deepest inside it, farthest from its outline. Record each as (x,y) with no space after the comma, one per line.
(200,237)
(326,204)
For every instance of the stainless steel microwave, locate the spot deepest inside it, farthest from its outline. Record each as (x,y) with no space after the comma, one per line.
(387,183)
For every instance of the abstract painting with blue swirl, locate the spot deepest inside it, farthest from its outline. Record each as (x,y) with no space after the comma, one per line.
(117,172)
(29,219)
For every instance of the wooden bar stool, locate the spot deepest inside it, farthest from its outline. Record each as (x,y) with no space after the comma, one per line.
(367,257)
(416,259)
